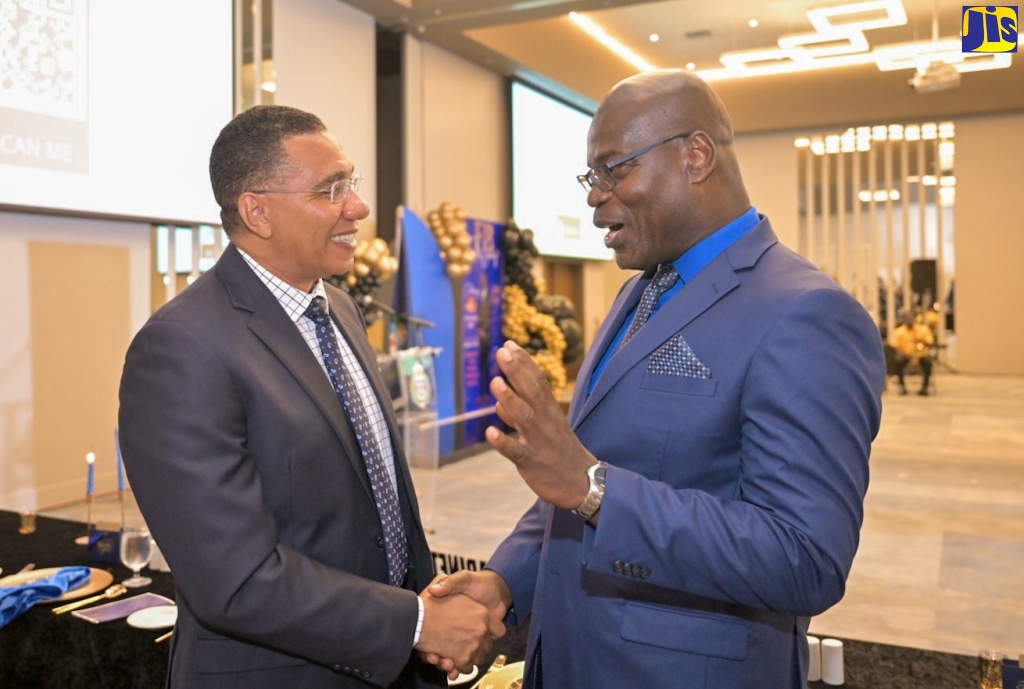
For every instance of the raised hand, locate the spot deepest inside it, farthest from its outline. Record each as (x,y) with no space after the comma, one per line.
(547,453)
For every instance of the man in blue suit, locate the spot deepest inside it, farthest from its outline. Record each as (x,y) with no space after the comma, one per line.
(705,495)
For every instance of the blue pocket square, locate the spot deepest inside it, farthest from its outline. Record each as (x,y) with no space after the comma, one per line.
(15,600)
(675,358)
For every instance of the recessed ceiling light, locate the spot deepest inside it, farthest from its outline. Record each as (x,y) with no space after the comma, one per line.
(654,38)
(753,23)
(691,66)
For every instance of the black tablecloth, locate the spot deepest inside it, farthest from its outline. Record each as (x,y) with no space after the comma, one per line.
(44,650)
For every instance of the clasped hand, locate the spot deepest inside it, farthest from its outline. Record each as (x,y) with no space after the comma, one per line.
(463,616)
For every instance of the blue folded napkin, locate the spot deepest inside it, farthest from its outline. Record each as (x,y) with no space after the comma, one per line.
(15,600)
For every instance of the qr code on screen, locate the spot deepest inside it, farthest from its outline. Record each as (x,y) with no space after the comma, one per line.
(43,57)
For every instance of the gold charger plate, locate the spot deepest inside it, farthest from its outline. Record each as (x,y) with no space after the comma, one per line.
(98,580)
(508,677)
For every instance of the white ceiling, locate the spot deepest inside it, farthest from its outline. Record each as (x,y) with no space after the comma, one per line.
(535,41)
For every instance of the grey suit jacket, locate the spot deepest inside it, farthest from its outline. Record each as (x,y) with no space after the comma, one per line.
(251,480)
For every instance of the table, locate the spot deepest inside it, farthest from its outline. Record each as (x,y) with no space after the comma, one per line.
(43,650)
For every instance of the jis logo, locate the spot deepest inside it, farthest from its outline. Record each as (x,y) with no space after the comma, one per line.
(990,28)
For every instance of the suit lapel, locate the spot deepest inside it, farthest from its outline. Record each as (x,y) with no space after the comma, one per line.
(271,325)
(625,302)
(711,284)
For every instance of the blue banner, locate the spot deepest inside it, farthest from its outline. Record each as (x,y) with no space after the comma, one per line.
(467,317)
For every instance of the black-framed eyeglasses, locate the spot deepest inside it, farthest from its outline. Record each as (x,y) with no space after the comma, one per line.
(601,177)
(337,192)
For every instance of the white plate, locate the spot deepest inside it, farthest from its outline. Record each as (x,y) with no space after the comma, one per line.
(464,677)
(157,617)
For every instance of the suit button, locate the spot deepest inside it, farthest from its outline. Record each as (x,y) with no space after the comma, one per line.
(337,669)
(380,541)
(645,572)
(618,566)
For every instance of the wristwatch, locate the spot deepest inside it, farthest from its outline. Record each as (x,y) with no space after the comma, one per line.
(592,503)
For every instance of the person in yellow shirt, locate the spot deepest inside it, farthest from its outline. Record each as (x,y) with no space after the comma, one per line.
(912,341)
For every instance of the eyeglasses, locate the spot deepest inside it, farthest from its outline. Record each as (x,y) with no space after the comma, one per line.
(337,192)
(601,177)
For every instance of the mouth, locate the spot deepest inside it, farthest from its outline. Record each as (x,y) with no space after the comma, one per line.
(611,239)
(349,239)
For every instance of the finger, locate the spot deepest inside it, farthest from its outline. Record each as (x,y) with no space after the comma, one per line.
(523,372)
(439,587)
(496,628)
(501,442)
(528,385)
(503,415)
(512,407)
(447,584)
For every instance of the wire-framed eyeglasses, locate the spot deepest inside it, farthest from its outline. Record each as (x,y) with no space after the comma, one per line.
(337,192)
(601,177)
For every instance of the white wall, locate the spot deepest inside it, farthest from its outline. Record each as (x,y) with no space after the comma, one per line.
(769,167)
(989,244)
(325,63)
(29,475)
(457,135)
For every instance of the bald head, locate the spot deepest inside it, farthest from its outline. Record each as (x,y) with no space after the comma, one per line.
(670,100)
(674,193)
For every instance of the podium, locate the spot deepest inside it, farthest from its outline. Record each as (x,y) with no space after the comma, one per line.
(412,381)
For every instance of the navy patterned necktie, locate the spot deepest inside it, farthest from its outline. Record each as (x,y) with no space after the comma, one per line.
(384,493)
(659,284)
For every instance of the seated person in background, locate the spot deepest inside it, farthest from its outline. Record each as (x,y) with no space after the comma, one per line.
(912,341)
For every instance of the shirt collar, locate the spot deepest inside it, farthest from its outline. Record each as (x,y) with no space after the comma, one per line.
(709,248)
(292,299)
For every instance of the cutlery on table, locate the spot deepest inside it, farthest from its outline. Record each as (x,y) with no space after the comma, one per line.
(164,637)
(111,592)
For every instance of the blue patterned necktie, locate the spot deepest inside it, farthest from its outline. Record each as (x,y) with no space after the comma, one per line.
(384,494)
(659,284)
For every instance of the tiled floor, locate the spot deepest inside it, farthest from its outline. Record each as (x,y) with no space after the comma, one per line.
(941,563)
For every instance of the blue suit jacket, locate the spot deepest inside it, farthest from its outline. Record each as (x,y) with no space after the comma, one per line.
(738,424)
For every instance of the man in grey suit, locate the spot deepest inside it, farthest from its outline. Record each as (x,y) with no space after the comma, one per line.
(704,497)
(259,438)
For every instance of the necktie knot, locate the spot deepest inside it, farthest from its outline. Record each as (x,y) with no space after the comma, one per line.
(665,277)
(317,308)
(659,284)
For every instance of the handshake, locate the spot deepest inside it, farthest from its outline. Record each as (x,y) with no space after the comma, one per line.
(462,616)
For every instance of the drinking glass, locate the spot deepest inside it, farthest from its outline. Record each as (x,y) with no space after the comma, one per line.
(136,549)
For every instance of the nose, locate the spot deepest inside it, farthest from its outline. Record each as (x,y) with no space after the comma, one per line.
(354,208)
(596,196)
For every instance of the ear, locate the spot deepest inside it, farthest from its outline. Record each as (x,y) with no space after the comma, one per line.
(255,213)
(701,157)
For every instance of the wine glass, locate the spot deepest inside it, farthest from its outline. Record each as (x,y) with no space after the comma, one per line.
(136,549)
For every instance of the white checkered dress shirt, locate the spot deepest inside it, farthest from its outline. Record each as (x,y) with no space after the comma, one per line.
(295,302)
